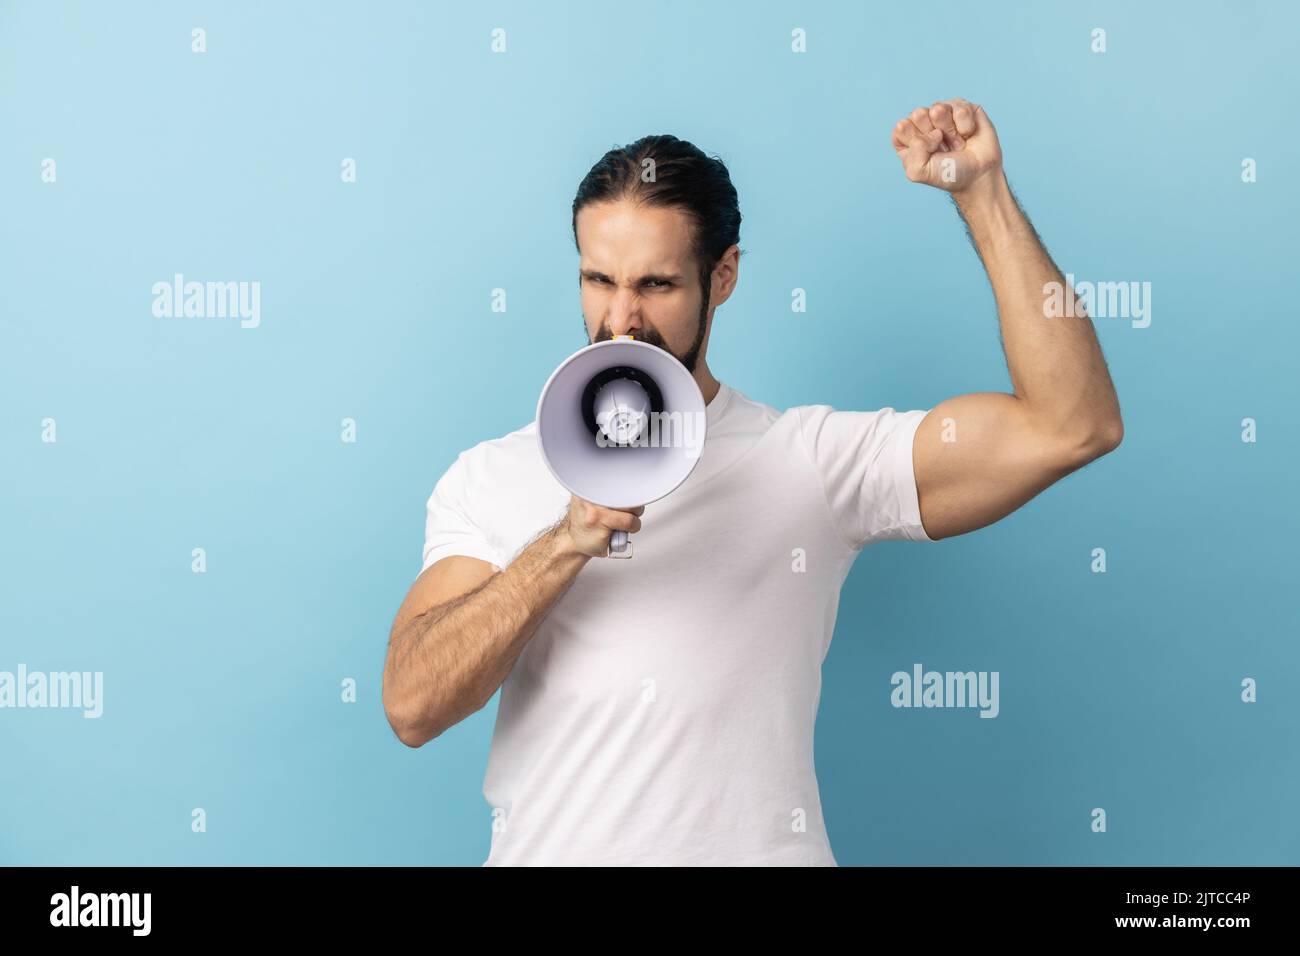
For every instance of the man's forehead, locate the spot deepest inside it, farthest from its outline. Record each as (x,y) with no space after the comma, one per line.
(631,237)
(640,259)
(612,263)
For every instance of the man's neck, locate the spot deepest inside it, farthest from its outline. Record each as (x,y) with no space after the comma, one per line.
(704,379)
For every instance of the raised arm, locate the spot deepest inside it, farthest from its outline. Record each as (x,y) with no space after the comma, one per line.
(978,457)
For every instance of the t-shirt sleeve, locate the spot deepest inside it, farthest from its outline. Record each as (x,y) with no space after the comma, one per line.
(450,526)
(864,460)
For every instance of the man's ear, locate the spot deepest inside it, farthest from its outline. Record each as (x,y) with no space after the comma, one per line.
(726,273)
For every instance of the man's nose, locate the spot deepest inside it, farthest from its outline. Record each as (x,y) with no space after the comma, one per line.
(624,313)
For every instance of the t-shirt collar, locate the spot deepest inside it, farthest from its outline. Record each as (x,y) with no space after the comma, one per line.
(713,410)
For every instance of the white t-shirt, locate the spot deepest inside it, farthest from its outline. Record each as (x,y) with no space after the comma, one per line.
(663,712)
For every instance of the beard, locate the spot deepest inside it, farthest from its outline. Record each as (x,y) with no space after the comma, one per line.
(689,358)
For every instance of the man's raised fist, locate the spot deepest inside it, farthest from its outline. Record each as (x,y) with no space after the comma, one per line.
(951,145)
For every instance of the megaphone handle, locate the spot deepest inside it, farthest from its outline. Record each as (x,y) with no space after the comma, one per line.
(619,545)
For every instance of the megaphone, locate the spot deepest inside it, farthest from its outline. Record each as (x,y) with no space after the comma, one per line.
(621,423)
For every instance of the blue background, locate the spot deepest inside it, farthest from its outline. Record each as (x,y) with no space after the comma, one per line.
(222,690)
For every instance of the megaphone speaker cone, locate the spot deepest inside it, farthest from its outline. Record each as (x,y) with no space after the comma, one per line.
(621,423)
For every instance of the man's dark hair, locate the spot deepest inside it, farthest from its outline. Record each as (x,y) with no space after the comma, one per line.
(680,175)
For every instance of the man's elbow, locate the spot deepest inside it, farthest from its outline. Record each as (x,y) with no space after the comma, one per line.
(1101,439)
(416,728)
(410,731)
(412,735)
(1108,436)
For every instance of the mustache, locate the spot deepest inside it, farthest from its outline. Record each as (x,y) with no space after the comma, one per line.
(652,337)
(649,336)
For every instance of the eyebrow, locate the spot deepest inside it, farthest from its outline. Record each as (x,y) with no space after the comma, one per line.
(651,277)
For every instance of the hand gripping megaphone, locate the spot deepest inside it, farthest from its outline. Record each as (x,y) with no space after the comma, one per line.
(621,423)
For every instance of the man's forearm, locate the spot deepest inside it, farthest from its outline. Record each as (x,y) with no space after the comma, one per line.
(446,663)
(1056,364)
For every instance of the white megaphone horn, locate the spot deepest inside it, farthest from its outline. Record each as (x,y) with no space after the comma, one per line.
(621,423)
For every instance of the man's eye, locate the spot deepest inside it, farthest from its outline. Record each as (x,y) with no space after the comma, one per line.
(659,283)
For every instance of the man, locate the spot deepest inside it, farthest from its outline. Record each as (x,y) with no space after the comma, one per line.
(661,710)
